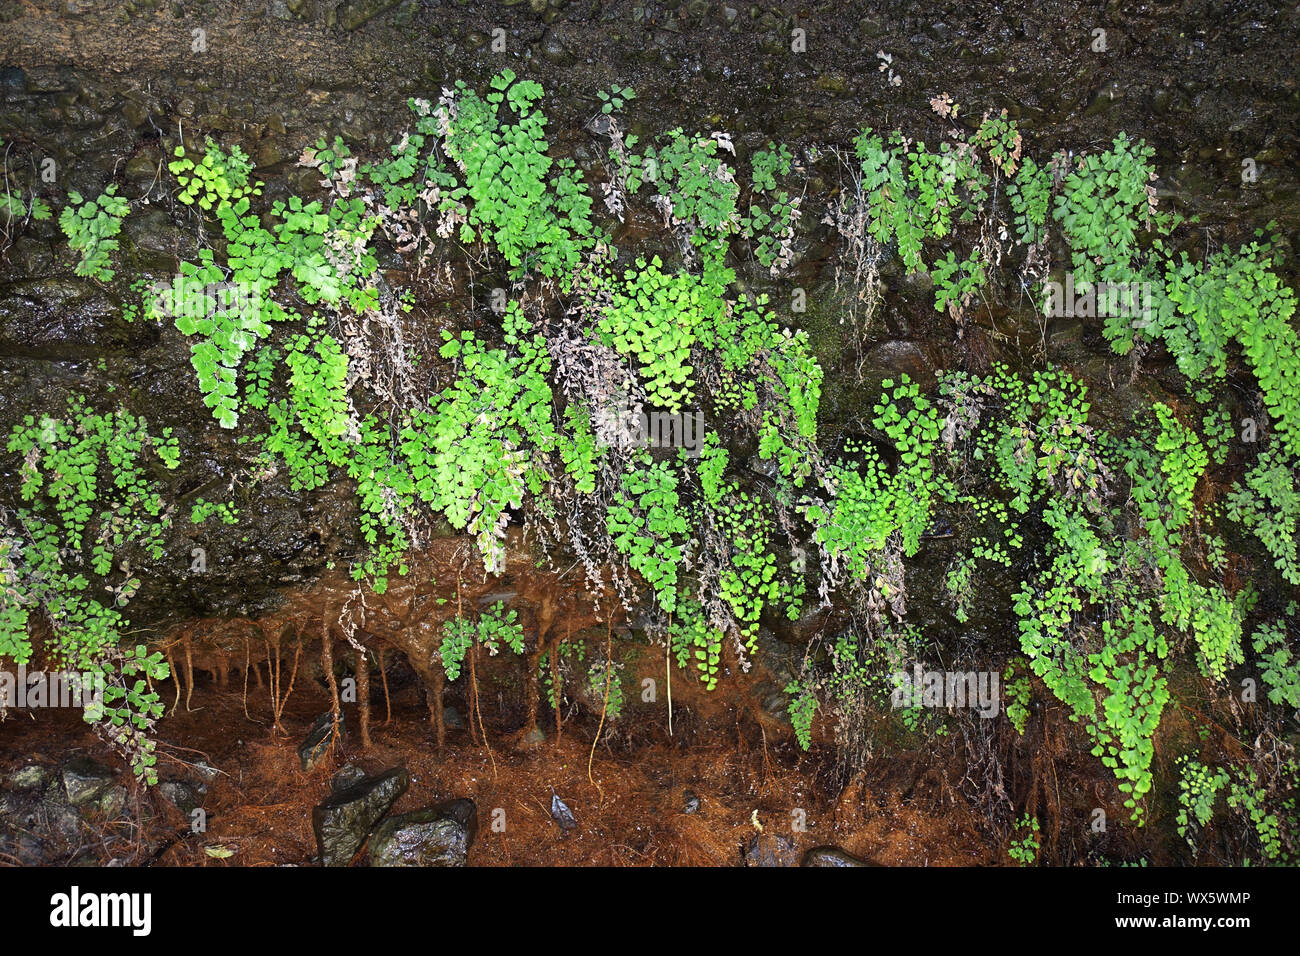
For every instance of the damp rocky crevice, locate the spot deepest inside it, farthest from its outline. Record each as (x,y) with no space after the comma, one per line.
(104,88)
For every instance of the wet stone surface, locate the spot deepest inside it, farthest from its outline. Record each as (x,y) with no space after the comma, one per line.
(316,745)
(831,856)
(346,818)
(437,836)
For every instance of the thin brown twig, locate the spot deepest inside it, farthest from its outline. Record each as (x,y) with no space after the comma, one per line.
(473,678)
(609,662)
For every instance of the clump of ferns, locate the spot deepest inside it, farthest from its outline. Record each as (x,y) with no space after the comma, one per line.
(872,595)
(963,401)
(569,520)
(570,525)
(708,560)
(843,674)
(417,229)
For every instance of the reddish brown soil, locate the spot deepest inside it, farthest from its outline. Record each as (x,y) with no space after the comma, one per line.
(629,812)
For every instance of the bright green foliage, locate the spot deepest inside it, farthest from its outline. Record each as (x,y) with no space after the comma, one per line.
(307,464)
(913,194)
(1025,850)
(92,227)
(1050,461)
(568,650)
(478,449)
(1250,802)
(484,443)
(693,637)
(890,213)
(1045,440)
(769,165)
(698,185)
(140,303)
(1256,308)
(1190,325)
(1217,627)
(615,99)
(932,176)
(653,319)
(88,499)
(62,463)
(530,223)
(1105,592)
(1182,461)
(1135,696)
(1163,496)
(1216,429)
(257,380)
(1016,690)
(912,423)
(802,711)
(322,249)
(228,320)
(385,492)
(1271,821)
(999,137)
(772,227)
(601,677)
(217,179)
(13,207)
(318,384)
(853,528)
(1102,203)
(646,525)
(325,250)
(331,157)
(204,509)
(314,429)
(1030,194)
(404,177)
(1267,502)
(458,638)
(956,282)
(493,627)
(14,641)
(748,580)
(799,381)
(961,579)
(1236,296)
(765,365)
(870,503)
(958,582)
(1198,789)
(578,450)
(1279,665)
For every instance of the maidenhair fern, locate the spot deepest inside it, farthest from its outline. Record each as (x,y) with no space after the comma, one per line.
(92,227)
